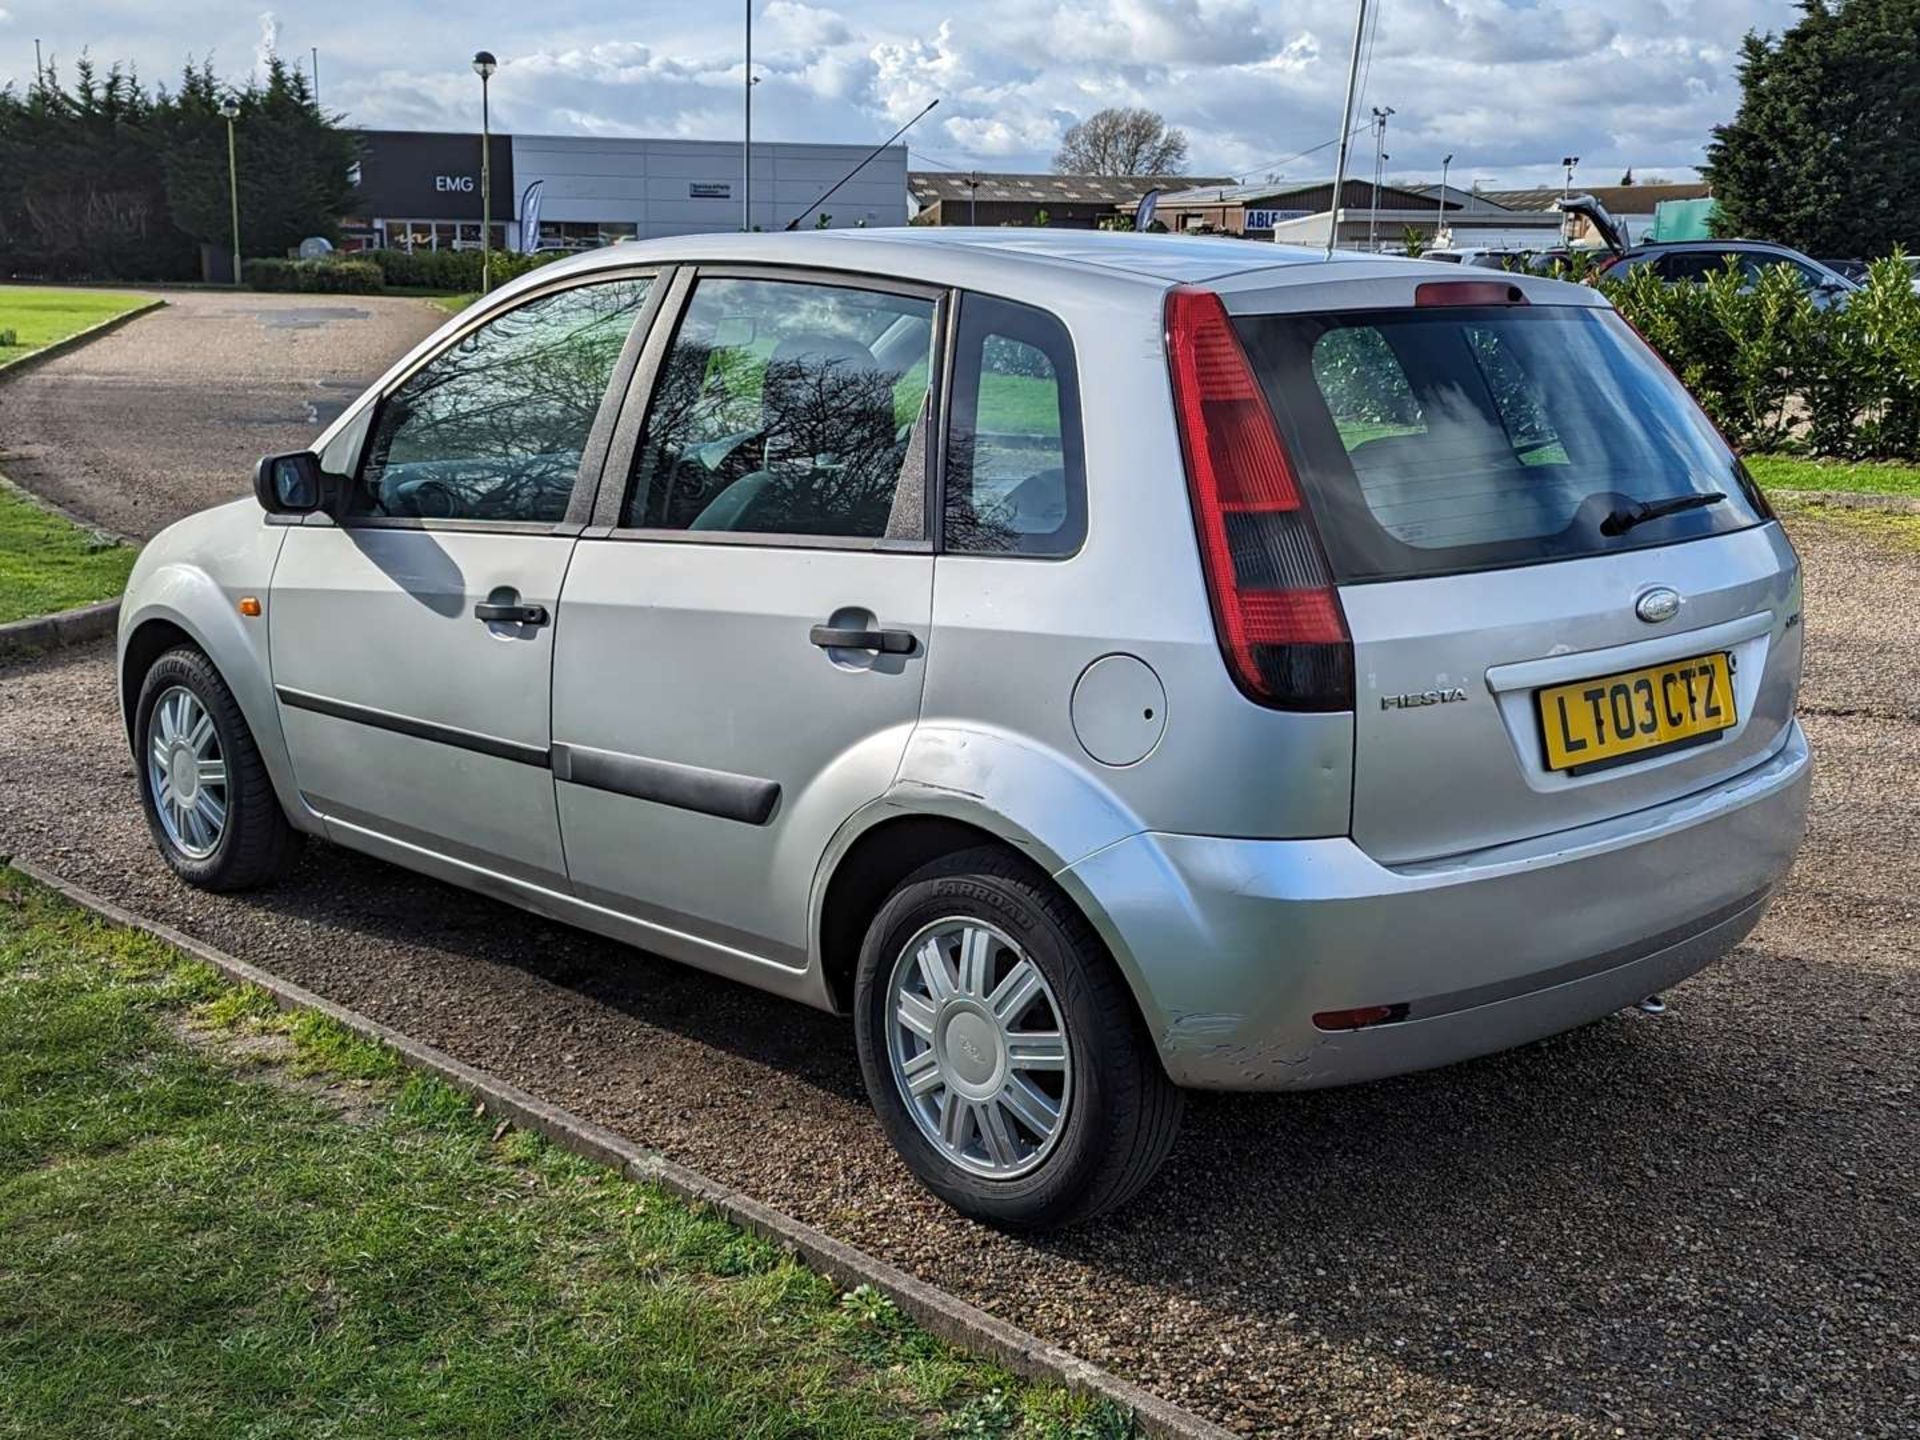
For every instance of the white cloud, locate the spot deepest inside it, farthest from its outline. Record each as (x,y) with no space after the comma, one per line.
(1508,86)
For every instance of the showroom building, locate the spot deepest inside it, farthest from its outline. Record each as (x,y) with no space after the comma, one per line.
(420,190)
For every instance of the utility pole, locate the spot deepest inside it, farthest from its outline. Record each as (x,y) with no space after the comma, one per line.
(1346,128)
(973,196)
(1440,224)
(746,142)
(1379,161)
(39,70)
(314,51)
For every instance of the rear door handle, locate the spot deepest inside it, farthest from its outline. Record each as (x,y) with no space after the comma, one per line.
(887,642)
(493,613)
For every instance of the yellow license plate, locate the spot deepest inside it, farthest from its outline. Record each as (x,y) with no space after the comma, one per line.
(1637,713)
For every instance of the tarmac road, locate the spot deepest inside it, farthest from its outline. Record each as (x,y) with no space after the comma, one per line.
(1701,1224)
(167,414)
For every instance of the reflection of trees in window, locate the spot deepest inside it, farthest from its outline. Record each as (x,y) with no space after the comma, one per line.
(494,428)
(794,428)
(1006,464)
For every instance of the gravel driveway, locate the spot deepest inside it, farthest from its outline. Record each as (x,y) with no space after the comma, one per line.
(1702,1224)
(167,414)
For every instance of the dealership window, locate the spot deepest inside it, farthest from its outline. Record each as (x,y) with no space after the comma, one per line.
(411,235)
(584,234)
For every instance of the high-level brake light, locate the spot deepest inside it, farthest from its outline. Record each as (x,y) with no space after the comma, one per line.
(1275,610)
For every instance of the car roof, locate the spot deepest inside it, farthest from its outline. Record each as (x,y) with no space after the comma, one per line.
(1084,272)
(1650,246)
(935,250)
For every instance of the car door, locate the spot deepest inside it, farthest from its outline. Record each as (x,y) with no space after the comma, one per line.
(411,632)
(744,633)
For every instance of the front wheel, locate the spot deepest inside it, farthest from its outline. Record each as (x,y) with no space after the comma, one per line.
(1002,1050)
(203,785)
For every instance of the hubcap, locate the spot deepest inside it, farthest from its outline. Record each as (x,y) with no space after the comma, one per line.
(977,1048)
(186,773)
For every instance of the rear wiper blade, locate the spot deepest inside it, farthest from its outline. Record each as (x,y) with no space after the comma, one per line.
(1619,522)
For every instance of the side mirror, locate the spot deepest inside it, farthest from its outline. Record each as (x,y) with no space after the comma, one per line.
(291,484)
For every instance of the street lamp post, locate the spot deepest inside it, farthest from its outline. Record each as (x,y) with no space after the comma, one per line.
(484,65)
(230,110)
(1440,222)
(1380,115)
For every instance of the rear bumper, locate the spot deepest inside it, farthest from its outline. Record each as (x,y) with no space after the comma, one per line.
(1234,945)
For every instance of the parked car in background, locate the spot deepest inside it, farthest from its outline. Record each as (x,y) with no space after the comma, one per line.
(1099,664)
(1691,261)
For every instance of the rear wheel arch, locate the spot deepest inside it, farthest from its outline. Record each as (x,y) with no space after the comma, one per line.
(871,868)
(875,864)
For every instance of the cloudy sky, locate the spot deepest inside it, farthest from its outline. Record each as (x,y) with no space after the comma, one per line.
(1507,86)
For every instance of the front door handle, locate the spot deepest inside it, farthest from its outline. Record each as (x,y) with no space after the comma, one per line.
(887,642)
(516,614)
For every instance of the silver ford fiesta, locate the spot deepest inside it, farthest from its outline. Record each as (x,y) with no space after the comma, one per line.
(1099,664)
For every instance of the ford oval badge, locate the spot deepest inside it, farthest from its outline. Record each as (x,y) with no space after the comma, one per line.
(1657,605)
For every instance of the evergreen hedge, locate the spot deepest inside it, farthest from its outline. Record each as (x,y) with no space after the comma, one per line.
(332,276)
(1776,372)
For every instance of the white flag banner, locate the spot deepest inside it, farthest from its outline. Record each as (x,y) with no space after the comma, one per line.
(530,218)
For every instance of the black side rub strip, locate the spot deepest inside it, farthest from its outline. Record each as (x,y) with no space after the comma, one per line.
(418,729)
(685,787)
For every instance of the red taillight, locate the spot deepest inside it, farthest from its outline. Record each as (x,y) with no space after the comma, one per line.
(1274,607)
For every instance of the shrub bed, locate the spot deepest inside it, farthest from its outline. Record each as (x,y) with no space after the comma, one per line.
(1779,374)
(454,271)
(320,277)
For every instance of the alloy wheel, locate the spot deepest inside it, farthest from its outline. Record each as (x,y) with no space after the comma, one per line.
(977,1048)
(186,773)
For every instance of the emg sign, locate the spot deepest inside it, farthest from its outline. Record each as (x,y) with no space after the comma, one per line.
(428,176)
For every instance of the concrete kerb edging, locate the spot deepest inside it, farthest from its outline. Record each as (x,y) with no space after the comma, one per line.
(78,626)
(947,1316)
(64,627)
(77,339)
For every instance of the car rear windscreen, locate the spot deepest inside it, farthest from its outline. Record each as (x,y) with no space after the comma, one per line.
(1434,441)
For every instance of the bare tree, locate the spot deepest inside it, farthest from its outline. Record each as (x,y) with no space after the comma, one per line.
(1124,140)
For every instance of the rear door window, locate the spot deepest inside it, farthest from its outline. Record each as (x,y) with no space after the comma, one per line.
(1448,439)
(788,408)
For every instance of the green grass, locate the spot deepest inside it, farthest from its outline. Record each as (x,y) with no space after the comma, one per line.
(1019,405)
(46,564)
(1890,528)
(219,1220)
(40,316)
(445,300)
(1790,472)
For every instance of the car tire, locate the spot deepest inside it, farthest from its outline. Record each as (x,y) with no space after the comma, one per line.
(252,843)
(1116,1112)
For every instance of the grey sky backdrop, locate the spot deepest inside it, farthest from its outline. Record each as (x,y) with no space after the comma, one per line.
(1508,86)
